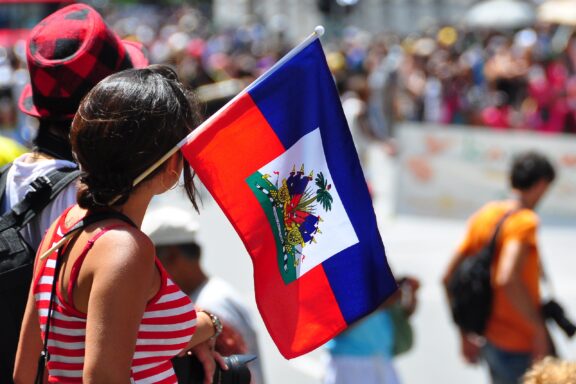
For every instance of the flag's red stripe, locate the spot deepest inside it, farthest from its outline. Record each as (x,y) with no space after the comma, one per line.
(237,144)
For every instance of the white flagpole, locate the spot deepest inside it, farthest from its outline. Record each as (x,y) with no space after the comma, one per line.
(56,246)
(318,32)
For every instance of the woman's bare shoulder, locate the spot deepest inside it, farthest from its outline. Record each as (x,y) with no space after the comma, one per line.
(125,249)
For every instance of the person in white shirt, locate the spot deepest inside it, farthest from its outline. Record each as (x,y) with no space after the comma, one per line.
(55,50)
(173,231)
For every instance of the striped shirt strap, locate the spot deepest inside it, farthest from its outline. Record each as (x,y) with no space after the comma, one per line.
(89,219)
(78,263)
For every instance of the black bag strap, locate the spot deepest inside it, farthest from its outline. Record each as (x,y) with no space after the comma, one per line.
(494,239)
(43,190)
(88,220)
(546,287)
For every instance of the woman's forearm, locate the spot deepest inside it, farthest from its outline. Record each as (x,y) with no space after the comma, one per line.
(204,329)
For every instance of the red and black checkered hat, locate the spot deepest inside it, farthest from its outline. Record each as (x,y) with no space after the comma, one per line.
(68,53)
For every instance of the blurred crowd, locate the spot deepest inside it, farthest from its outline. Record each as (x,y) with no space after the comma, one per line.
(515,80)
(523,80)
(504,80)
(181,36)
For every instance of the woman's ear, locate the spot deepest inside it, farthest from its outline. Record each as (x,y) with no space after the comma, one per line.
(173,169)
(169,175)
(174,164)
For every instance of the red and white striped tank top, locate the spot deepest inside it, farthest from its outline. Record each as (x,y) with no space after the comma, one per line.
(166,327)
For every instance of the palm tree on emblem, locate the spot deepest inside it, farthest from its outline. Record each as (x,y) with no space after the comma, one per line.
(322,195)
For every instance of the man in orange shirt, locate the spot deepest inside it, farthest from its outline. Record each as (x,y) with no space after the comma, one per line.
(515,335)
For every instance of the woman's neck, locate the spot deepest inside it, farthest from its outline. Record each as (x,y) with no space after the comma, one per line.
(136,206)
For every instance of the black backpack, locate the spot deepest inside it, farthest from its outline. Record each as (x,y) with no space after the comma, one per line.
(17,257)
(470,287)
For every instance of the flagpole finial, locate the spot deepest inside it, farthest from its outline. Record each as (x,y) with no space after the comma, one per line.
(319,30)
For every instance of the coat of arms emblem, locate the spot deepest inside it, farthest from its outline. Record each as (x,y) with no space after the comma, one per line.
(293,205)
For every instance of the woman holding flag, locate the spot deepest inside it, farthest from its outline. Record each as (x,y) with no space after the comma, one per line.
(115,315)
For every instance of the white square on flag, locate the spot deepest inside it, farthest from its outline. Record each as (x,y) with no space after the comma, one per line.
(315,231)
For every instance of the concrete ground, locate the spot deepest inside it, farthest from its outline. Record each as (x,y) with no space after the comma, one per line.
(417,246)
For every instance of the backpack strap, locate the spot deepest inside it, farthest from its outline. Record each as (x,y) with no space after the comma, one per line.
(494,240)
(43,190)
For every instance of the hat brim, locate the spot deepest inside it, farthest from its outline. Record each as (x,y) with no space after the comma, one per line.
(26,103)
(138,57)
(137,53)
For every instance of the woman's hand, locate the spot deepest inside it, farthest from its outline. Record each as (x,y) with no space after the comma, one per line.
(230,341)
(206,354)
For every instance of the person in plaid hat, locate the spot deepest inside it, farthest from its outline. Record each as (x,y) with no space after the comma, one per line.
(68,53)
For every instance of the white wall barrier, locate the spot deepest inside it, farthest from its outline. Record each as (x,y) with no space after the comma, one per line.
(451,171)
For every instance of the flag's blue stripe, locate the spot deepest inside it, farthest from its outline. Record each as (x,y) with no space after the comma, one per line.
(291,97)
(360,277)
(296,99)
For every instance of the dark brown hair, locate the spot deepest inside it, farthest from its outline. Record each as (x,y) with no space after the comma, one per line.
(528,168)
(125,124)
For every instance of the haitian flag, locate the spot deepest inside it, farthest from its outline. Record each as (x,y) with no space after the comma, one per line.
(280,161)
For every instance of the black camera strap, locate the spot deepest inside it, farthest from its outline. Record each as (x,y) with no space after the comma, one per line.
(544,277)
(88,220)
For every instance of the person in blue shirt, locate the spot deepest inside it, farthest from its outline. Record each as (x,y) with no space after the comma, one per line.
(367,348)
